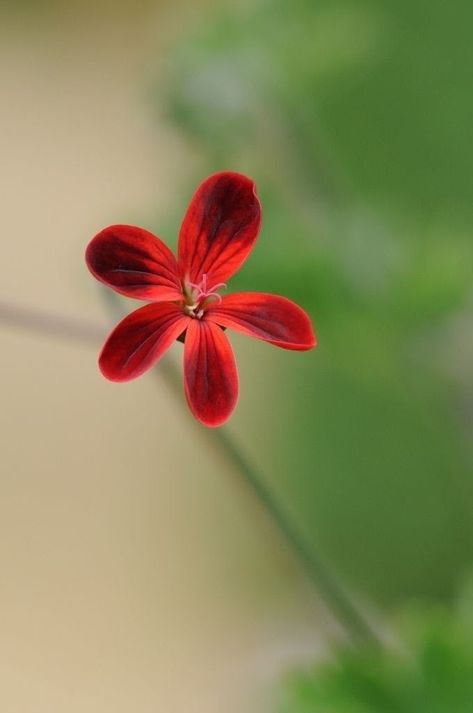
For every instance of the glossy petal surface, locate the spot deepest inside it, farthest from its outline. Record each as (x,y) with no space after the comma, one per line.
(210,373)
(135,263)
(140,339)
(269,317)
(219,229)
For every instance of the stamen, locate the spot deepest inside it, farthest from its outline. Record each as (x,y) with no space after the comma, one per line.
(213,294)
(203,292)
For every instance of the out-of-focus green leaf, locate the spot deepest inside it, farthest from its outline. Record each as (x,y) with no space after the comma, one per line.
(433,674)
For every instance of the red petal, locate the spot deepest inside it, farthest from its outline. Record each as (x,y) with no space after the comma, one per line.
(211,377)
(140,339)
(135,263)
(275,319)
(219,229)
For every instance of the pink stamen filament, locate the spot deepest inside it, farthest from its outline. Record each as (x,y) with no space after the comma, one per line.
(202,292)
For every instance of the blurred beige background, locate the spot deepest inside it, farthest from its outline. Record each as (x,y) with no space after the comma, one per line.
(137,574)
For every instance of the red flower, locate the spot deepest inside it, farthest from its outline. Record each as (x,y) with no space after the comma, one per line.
(218,233)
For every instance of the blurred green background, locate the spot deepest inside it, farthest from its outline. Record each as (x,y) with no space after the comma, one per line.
(356,120)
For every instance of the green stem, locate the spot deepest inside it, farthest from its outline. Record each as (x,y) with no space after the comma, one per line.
(333,593)
(339,602)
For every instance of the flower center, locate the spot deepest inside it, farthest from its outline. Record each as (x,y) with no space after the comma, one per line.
(198,295)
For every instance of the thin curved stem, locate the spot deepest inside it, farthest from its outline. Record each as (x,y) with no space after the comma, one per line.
(339,601)
(336,598)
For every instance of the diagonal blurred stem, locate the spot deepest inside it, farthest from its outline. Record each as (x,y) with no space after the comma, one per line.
(354,621)
(336,597)
(59,326)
